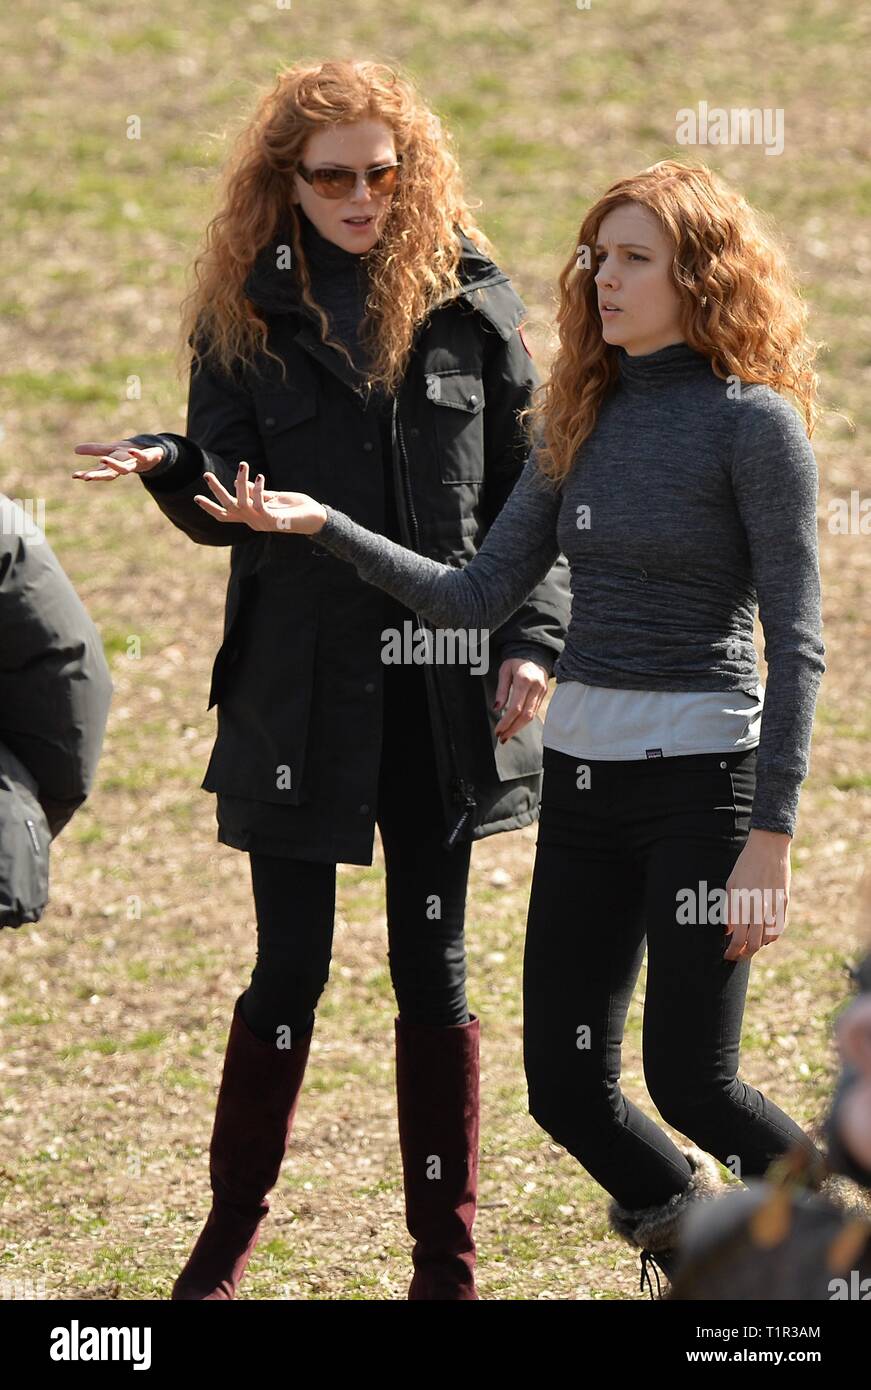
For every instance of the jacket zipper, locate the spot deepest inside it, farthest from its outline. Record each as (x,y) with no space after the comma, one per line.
(463,790)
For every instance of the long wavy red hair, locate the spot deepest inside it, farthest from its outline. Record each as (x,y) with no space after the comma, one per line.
(740,306)
(414,263)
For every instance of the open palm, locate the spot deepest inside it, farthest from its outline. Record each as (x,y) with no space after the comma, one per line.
(261,508)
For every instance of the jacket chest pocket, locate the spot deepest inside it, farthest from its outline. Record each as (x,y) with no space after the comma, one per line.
(456,413)
(286,421)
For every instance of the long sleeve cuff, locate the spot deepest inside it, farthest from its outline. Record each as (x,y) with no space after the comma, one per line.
(775,805)
(340,535)
(529,651)
(170,452)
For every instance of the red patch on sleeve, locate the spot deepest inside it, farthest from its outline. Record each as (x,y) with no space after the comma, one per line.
(523,340)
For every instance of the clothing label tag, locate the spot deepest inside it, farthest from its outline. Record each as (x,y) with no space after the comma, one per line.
(653,752)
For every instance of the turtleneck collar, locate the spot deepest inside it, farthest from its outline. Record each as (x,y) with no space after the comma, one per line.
(277,290)
(323,255)
(652,371)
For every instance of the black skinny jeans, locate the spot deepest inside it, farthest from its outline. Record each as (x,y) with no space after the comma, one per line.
(426,886)
(610,861)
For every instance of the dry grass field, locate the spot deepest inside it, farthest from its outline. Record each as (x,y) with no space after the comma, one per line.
(114,1008)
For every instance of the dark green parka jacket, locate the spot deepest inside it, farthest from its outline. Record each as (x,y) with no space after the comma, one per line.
(298,679)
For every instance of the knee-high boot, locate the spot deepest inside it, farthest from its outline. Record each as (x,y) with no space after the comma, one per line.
(437,1084)
(254,1117)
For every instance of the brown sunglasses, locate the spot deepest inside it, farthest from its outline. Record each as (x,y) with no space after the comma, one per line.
(339,183)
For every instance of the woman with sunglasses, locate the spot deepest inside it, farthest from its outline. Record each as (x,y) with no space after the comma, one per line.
(674,473)
(353,339)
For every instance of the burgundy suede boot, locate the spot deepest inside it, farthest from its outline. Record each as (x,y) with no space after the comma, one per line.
(437,1072)
(257,1102)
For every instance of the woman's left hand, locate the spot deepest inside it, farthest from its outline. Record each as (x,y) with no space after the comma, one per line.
(522,687)
(260,508)
(758,893)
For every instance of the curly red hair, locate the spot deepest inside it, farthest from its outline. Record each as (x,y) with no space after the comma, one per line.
(740,306)
(414,263)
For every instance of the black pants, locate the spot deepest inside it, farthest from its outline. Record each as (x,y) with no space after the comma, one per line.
(426,891)
(611,859)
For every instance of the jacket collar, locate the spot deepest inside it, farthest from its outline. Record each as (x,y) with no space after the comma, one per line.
(483,285)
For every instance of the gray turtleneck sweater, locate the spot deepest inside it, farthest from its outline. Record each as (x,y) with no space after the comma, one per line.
(693,500)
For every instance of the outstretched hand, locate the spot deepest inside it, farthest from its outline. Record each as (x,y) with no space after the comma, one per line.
(260,508)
